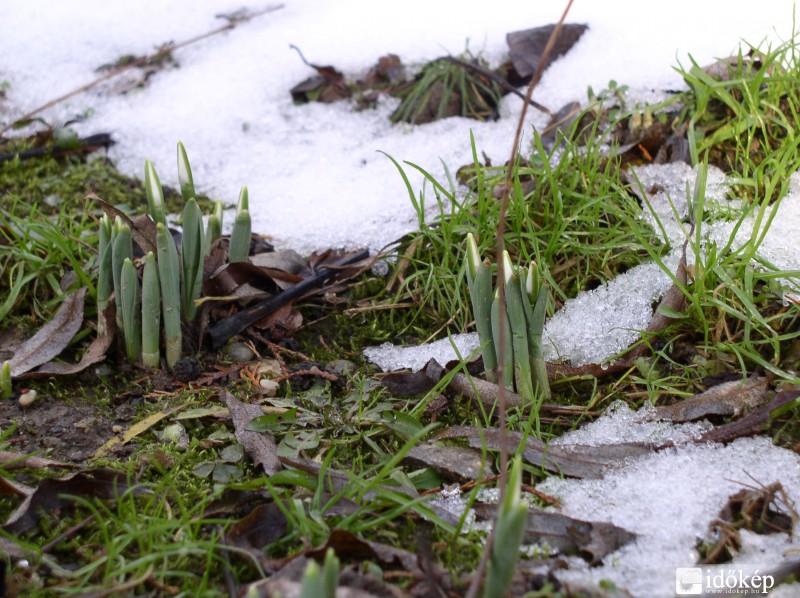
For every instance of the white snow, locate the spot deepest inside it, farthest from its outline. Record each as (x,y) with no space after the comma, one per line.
(668,499)
(316,179)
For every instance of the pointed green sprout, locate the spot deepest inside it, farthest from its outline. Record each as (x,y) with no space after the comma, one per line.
(121,249)
(105,277)
(518,332)
(5,380)
(185,174)
(508,533)
(151,313)
(155,195)
(479,281)
(131,310)
(191,258)
(169,276)
(534,301)
(214,229)
(239,248)
(321,584)
(508,357)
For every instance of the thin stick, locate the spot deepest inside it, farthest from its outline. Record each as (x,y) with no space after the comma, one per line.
(501,229)
(162,52)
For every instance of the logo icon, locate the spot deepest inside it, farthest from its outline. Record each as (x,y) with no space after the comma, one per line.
(688,581)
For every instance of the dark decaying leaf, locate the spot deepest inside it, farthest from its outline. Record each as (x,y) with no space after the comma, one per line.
(728,398)
(526,47)
(52,338)
(454,463)
(259,445)
(350,547)
(592,541)
(54,495)
(575,461)
(564,535)
(405,384)
(143,229)
(264,525)
(756,422)
(764,510)
(327,86)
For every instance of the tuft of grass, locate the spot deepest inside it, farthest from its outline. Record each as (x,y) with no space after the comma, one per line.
(569,211)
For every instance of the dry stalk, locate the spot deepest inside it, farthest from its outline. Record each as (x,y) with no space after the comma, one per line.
(501,395)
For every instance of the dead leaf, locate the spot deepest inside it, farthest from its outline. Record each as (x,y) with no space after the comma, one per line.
(264,525)
(592,541)
(53,337)
(577,461)
(10,460)
(526,47)
(53,495)
(259,445)
(349,546)
(452,462)
(95,353)
(143,229)
(728,398)
(327,86)
(751,424)
(9,487)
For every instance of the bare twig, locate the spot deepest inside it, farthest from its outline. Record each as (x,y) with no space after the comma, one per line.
(501,225)
(163,51)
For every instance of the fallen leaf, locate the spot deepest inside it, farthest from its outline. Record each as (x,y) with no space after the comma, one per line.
(264,525)
(526,47)
(52,338)
(10,460)
(592,541)
(327,86)
(577,461)
(452,462)
(751,424)
(259,445)
(143,229)
(53,495)
(94,353)
(728,398)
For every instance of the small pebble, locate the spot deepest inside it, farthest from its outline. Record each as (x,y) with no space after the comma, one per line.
(240,352)
(269,368)
(269,387)
(27,398)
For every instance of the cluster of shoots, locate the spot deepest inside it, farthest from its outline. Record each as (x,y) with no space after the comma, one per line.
(156,295)
(526,298)
(321,582)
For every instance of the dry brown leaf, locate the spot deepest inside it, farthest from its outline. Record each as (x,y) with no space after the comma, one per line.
(53,495)
(452,462)
(259,445)
(52,338)
(577,461)
(728,398)
(95,353)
